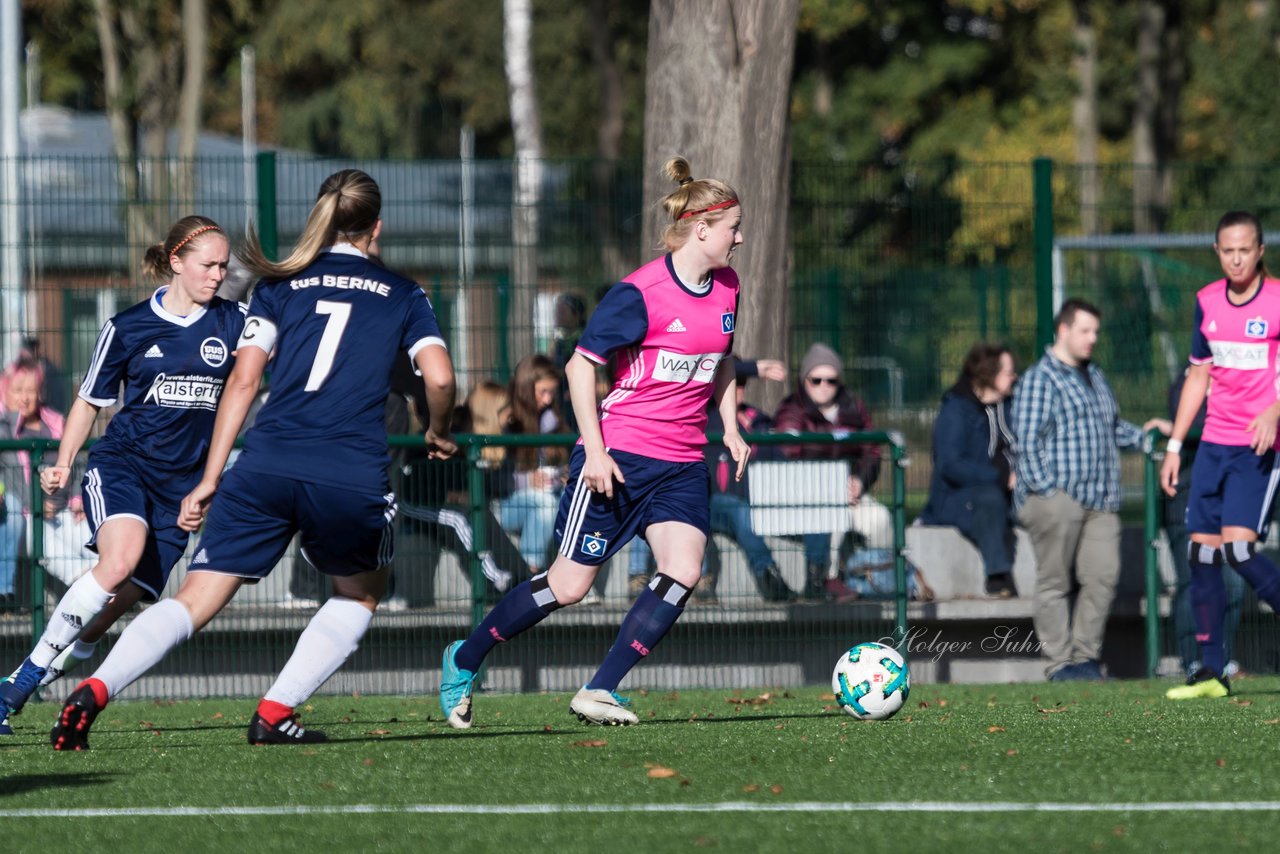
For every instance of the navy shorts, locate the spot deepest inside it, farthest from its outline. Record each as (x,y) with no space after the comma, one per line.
(114,487)
(592,528)
(1231,486)
(254,516)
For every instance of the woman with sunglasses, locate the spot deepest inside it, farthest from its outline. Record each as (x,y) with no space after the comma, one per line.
(822,404)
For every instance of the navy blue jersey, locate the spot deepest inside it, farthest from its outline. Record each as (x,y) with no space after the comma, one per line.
(336,329)
(173,369)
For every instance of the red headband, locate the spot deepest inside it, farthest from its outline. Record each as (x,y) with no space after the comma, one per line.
(184,241)
(720,206)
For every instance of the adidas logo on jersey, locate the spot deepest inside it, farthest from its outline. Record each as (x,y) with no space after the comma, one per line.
(154,353)
(676,326)
(201,557)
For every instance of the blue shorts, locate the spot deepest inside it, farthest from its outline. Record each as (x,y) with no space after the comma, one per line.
(592,528)
(254,516)
(1231,486)
(115,487)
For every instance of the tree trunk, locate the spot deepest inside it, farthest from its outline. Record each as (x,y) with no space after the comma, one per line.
(195,23)
(124,128)
(1146,108)
(1173,73)
(604,172)
(1084,114)
(526,126)
(143,53)
(717,92)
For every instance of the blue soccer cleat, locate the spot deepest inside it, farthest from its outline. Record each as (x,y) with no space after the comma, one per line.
(455,690)
(16,689)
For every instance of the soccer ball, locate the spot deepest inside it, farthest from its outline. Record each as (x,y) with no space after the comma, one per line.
(871,681)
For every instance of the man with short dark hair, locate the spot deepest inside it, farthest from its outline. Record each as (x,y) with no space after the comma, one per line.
(1068,430)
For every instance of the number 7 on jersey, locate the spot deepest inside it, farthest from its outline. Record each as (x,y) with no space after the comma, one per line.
(339,313)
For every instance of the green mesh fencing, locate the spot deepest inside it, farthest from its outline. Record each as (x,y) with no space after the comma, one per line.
(457,552)
(899,266)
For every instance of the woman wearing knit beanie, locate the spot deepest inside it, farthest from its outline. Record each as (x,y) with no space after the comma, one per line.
(822,404)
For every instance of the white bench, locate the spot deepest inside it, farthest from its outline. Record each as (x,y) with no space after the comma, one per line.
(953,566)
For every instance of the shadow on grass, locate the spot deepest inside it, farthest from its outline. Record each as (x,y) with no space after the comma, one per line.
(22,783)
(483,731)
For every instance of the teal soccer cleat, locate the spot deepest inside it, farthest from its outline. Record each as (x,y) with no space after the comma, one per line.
(455,690)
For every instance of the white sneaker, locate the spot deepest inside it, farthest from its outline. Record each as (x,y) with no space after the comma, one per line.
(598,706)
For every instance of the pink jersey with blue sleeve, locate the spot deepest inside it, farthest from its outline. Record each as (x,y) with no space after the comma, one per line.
(666,341)
(1239,344)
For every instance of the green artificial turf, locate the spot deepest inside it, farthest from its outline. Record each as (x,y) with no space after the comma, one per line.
(764,751)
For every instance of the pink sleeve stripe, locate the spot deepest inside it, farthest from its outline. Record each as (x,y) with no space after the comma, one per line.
(599,360)
(1195,361)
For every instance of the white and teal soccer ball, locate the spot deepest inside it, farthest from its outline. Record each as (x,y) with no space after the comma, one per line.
(871,681)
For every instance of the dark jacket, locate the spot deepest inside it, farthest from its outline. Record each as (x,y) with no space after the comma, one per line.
(798,414)
(972,445)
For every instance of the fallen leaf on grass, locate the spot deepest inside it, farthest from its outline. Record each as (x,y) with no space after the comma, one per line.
(752,701)
(1012,751)
(594,742)
(346,719)
(379,732)
(1053,710)
(775,789)
(366,762)
(751,787)
(1272,721)
(659,772)
(1221,763)
(1240,702)
(995,729)
(217,716)
(826,697)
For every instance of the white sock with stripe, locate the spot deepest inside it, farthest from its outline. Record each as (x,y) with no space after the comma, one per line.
(327,641)
(80,604)
(144,642)
(68,659)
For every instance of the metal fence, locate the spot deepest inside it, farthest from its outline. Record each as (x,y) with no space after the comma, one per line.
(900,266)
(457,552)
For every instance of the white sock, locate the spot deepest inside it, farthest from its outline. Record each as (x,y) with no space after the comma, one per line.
(327,641)
(80,604)
(143,643)
(67,660)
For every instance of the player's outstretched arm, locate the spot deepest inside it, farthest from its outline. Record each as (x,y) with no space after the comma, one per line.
(79,422)
(599,471)
(237,396)
(1194,390)
(726,404)
(436,367)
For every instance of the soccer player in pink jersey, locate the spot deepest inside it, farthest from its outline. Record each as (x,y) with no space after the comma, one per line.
(1233,480)
(638,469)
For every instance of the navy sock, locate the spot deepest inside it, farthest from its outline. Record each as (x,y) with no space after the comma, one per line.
(1256,569)
(1208,604)
(650,618)
(526,605)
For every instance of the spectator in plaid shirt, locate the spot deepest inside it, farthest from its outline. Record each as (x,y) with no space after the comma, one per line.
(1069,431)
